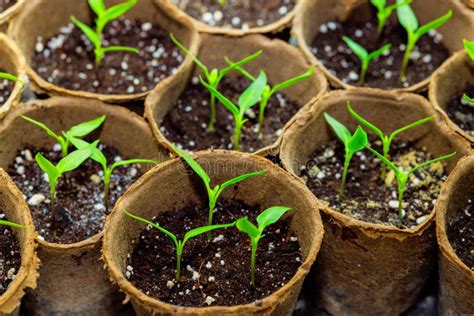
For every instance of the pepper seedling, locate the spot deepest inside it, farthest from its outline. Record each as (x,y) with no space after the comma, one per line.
(213,193)
(269,91)
(247,99)
(100,158)
(11,224)
(66,164)
(469,47)
(408,20)
(79,130)
(364,56)
(352,144)
(386,139)
(266,218)
(213,76)
(403,176)
(179,244)
(104,16)
(384,12)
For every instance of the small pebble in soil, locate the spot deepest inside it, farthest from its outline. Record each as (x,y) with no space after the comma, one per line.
(461,112)
(460,232)
(10,256)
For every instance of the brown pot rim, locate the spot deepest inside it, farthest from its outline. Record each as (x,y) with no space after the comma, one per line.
(441,207)
(28,273)
(469,4)
(434,87)
(371,229)
(41,85)
(9,13)
(202,27)
(265,304)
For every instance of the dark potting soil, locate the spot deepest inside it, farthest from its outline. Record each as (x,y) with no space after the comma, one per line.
(68,60)
(10,256)
(236,14)
(6,88)
(186,123)
(367,197)
(462,112)
(383,72)
(5,4)
(215,272)
(80,208)
(461,234)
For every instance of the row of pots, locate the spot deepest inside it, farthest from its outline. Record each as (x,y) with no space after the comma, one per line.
(72,279)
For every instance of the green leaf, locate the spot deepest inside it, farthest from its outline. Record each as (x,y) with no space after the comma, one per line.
(392,7)
(156,226)
(42,126)
(239,63)
(379,52)
(386,161)
(96,155)
(201,230)
(117,10)
(187,52)
(97,6)
(469,47)
(468,99)
(270,216)
(292,81)
(341,131)
(85,128)
(358,141)
(48,167)
(407,17)
(364,122)
(252,94)
(379,4)
(240,179)
(434,24)
(75,159)
(11,224)
(244,225)
(356,48)
(429,162)
(412,125)
(224,100)
(88,31)
(132,161)
(242,71)
(194,165)
(11,77)
(120,49)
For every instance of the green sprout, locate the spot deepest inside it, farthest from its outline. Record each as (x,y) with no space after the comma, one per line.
(179,244)
(408,20)
(403,176)
(79,130)
(104,16)
(11,77)
(11,224)
(383,12)
(213,193)
(247,99)
(66,164)
(269,91)
(386,139)
(99,157)
(364,56)
(266,218)
(223,2)
(213,76)
(352,144)
(469,47)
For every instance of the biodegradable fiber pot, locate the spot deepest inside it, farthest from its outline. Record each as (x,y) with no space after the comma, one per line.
(177,189)
(449,81)
(365,268)
(45,18)
(73,280)
(12,62)
(313,13)
(279,60)
(455,278)
(9,13)
(273,27)
(16,210)
(469,3)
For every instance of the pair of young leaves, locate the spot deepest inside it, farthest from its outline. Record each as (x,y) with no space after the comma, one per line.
(104,16)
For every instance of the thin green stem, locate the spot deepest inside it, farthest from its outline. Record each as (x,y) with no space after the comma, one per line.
(380,27)
(261,113)
(107,175)
(347,161)
(252,261)
(212,116)
(238,127)
(363,71)
(53,207)
(401,190)
(179,251)
(386,148)
(406,57)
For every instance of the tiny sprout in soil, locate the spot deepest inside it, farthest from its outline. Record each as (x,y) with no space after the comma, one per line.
(386,139)
(214,76)
(104,16)
(403,176)
(384,12)
(79,130)
(11,224)
(408,20)
(247,99)
(266,218)
(66,164)
(180,243)
(364,56)
(213,193)
(469,46)
(99,157)
(352,144)
(269,91)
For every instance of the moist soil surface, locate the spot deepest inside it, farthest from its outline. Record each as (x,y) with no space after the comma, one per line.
(80,208)
(461,234)
(383,72)
(6,88)
(367,197)
(462,112)
(236,14)
(68,60)
(10,256)
(186,123)
(5,4)
(215,272)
